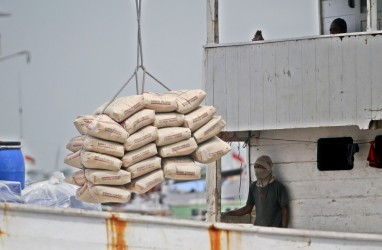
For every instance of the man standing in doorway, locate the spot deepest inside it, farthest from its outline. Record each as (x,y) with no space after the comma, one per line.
(268,195)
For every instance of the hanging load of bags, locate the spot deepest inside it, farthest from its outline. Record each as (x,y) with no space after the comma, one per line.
(138,141)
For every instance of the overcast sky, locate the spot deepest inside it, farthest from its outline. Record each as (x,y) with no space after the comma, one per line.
(82,51)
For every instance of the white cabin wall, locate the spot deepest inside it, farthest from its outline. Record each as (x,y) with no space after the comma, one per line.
(348,201)
(296,83)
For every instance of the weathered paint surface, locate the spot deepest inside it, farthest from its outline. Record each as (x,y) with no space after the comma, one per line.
(115,230)
(296,83)
(54,228)
(348,201)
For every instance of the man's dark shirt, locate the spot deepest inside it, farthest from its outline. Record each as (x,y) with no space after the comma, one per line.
(268,201)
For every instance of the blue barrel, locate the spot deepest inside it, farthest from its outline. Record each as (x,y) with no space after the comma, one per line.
(12,166)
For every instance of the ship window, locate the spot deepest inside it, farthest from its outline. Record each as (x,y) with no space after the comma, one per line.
(336,153)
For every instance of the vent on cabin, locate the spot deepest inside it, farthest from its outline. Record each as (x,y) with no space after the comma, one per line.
(336,153)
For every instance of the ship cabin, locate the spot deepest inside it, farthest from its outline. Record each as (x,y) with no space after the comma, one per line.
(314,105)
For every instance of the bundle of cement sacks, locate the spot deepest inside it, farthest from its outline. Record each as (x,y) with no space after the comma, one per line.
(138,141)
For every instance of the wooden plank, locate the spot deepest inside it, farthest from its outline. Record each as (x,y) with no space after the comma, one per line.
(295,99)
(354,223)
(281,83)
(286,152)
(348,92)
(322,81)
(213,184)
(232,94)
(208,77)
(309,92)
(338,188)
(335,81)
(337,207)
(257,87)
(313,134)
(376,76)
(219,81)
(364,81)
(212,15)
(307,171)
(269,63)
(243,87)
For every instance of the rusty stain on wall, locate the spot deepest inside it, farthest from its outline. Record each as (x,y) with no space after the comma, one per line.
(216,238)
(115,233)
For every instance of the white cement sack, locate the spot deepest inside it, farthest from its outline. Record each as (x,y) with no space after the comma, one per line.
(123,107)
(188,100)
(82,122)
(75,143)
(211,150)
(141,138)
(139,154)
(169,120)
(100,161)
(160,103)
(199,117)
(105,177)
(144,167)
(104,127)
(181,168)
(144,183)
(103,194)
(209,130)
(185,147)
(168,136)
(102,146)
(74,159)
(78,178)
(139,120)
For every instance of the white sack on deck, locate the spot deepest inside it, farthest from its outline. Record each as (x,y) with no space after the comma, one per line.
(102,194)
(82,122)
(211,150)
(209,130)
(123,107)
(139,154)
(169,120)
(144,183)
(141,138)
(102,146)
(181,168)
(74,159)
(188,100)
(198,117)
(139,120)
(160,103)
(105,177)
(75,143)
(78,178)
(185,147)
(104,127)
(144,167)
(168,136)
(100,161)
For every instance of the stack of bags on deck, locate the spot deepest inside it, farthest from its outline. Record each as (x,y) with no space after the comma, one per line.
(139,140)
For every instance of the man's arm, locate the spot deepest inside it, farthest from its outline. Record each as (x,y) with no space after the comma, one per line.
(241,211)
(284,216)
